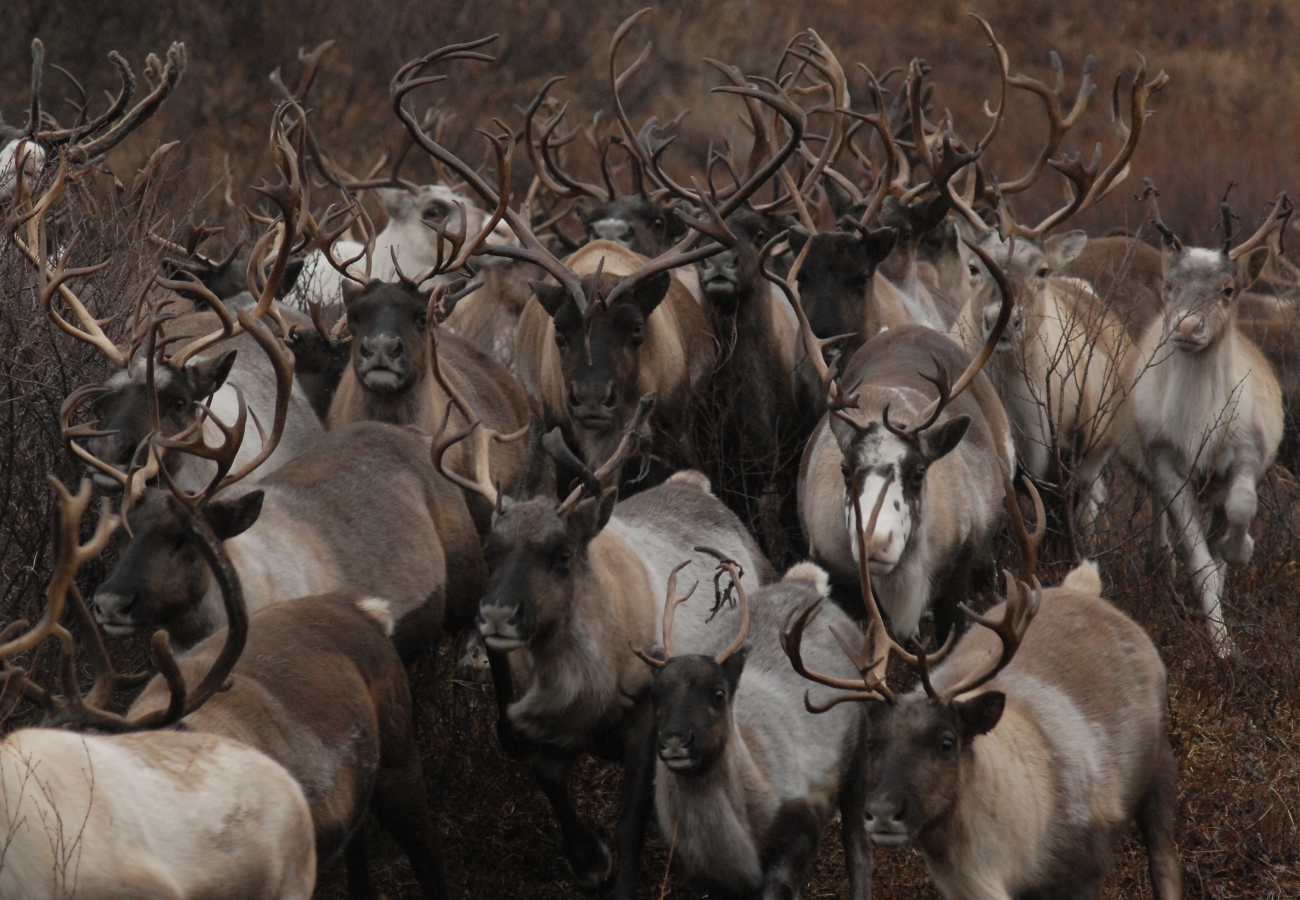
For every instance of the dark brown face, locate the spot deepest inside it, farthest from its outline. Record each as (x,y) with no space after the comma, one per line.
(124,408)
(534,555)
(389,338)
(160,578)
(915,751)
(600,351)
(835,276)
(733,274)
(692,698)
(639,225)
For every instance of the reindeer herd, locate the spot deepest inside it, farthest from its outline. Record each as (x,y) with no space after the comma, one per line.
(837,355)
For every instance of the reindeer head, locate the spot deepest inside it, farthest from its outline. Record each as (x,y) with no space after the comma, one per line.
(725,277)
(599,346)
(835,279)
(638,224)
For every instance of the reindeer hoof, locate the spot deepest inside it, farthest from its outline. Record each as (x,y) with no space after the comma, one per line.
(1238,553)
(592,865)
(1226,648)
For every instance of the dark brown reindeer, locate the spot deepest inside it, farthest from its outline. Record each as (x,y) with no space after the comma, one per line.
(153,805)
(747,781)
(572,587)
(1024,751)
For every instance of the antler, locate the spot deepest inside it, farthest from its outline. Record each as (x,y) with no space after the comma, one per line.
(671,602)
(1088,186)
(1058,121)
(592,481)
(1274,222)
(735,573)
(1022,599)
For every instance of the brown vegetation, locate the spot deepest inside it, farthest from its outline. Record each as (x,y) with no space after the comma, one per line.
(1228,114)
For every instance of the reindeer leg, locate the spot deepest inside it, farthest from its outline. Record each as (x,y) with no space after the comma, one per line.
(1172,485)
(638,794)
(791,848)
(1239,509)
(586,853)
(400,806)
(858,858)
(503,684)
(1155,817)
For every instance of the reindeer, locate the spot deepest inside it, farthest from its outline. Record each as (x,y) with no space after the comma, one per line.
(1060,363)
(747,782)
(341,724)
(152,393)
(1204,419)
(130,809)
(857,451)
(571,585)
(1023,752)
(320,524)
(609,326)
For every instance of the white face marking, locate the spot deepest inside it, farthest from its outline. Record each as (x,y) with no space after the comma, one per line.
(894,522)
(1204,255)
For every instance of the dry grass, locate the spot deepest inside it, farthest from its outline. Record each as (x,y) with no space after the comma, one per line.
(1227,115)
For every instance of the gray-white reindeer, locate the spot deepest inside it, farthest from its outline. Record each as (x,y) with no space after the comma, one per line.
(1017,760)
(747,779)
(1204,415)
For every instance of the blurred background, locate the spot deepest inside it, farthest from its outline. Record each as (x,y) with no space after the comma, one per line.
(1228,114)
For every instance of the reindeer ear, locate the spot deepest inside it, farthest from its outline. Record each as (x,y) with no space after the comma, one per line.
(844,434)
(1063,249)
(591,516)
(734,665)
(928,216)
(651,292)
(878,244)
(939,441)
(208,375)
(351,291)
(798,237)
(674,227)
(1251,266)
(228,518)
(551,296)
(980,714)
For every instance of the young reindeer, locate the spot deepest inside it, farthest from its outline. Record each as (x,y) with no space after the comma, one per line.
(574,586)
(150,810)
(1025,751)
(1058,368)
(747,781)
(1204,419)
(941,473)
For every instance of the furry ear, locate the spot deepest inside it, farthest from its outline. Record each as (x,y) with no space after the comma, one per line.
(844,434)
(208,375)
(938,442)
(592,515)
(979,714)
(929,215)
(798,237)
(551,296)
(734,666)
(229,518)
(878,243)
(1063,249)
(351,291)
(674,227)
(651,292)
(1251,266)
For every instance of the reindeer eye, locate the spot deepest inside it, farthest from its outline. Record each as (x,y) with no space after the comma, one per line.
(918,475)
(179,404)
(1043,272)
(563,558)
(947,745)
(719,697)
(973,269)
(560,340)
(1227,293)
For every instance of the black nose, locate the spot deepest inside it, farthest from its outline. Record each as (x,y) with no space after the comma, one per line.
(590,394)
(676,740)
(616,230)
(381,348)
(888,809)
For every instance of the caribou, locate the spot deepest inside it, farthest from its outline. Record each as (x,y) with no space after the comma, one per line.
(948,458)
(1024,750)
(129,809)
(573,585)
(746,781)
(1204,419)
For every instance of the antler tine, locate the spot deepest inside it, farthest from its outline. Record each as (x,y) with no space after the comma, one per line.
(49,283)
(72,554)
(1167,233)
(885,177)
(552,177)
(168,78)
(1090,187)
(1003,64)
(1274,222)
(762,134)
(626,446)
(1022,599)
(1058,122)
(931,412)
(672,600)
(943,384)
(733,570)
(115,107)
(824,61)
(792,645)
